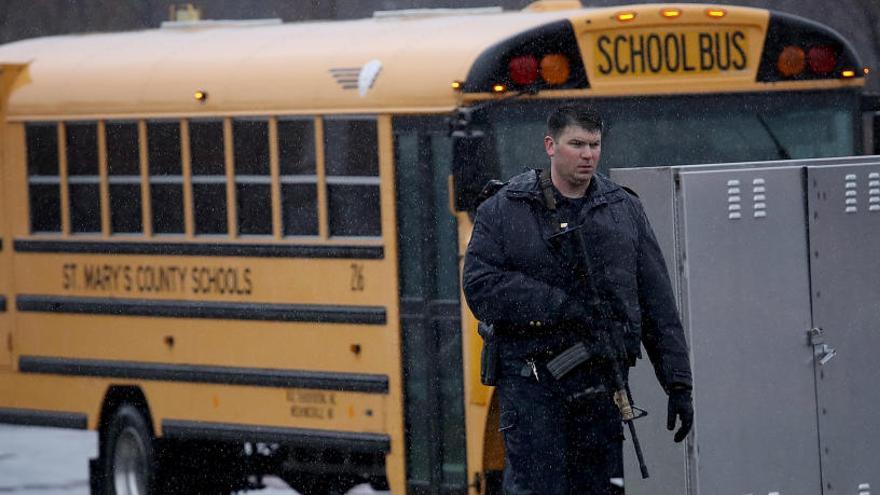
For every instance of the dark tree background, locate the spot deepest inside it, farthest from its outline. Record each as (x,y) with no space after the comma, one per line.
(858,20)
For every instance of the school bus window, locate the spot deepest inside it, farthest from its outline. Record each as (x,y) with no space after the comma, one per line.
(253,189)
(166,179)
(299,207)
(350,147)
(296,146)
(299,182)
(353,209)
(410,177)
(123,169)
(44,184)
(83,182)
(208,176)
(352,165)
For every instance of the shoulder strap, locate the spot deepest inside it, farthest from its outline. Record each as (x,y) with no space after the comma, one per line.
(549,199)
(547,189)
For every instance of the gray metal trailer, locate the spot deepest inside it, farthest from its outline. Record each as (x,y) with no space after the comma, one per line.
(776,267)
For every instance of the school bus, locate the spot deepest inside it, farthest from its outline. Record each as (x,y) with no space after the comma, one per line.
(233,248)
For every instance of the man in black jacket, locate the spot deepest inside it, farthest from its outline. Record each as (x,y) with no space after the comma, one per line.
(565,436)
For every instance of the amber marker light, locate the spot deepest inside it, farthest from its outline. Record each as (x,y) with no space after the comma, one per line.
(791,61)
(555,68)
(848,73)
(200,96)
(456,85)
(716,13)
(498,88)
(625,16)
(670,13)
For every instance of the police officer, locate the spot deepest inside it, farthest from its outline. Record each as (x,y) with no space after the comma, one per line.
(565,436)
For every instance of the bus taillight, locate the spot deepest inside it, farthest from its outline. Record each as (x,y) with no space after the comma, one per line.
(798,49)
(822,59)
(546,57)
(792,61)
(555,68)
(523,69)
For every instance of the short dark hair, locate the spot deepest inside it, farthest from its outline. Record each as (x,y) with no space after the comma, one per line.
(583,116)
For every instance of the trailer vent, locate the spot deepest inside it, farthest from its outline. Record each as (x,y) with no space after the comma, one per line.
(851,200)
(874,191)
(734,200)
(759,198)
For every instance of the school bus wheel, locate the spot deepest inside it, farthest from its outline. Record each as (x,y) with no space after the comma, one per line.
(321,484)
(125,464)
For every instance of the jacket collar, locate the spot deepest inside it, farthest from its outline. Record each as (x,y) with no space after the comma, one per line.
(526,186)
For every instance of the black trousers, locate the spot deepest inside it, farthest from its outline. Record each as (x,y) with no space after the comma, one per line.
(556,446)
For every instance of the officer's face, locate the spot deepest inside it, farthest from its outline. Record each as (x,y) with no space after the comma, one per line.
(574,155)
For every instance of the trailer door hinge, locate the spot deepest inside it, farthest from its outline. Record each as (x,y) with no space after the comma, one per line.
(821,351)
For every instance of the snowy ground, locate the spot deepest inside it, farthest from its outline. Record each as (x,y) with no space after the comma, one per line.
(53,461)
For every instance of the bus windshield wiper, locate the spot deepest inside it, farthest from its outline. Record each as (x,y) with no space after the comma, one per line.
(780,149)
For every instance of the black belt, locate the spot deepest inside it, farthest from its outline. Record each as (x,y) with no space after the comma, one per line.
(538,328)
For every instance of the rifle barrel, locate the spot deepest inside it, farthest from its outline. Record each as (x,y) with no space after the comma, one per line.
(638,447)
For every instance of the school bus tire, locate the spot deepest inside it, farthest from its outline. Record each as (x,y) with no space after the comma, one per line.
(321,484)
(493,482)
(126,457)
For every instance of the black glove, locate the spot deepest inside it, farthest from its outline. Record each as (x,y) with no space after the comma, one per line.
(680,406)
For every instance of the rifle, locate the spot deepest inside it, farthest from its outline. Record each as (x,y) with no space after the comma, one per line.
(609,341)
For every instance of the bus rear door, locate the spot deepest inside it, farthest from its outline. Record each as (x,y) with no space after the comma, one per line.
(429,306)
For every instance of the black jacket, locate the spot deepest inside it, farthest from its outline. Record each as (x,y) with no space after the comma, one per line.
(516,279)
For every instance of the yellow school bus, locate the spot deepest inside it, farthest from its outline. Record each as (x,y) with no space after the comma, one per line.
(233,248)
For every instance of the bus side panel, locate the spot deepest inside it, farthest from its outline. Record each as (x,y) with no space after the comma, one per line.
(309,343)
(212,403)
(394,425)
(5,256)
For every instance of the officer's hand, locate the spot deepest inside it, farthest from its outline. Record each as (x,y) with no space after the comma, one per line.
(680,406)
